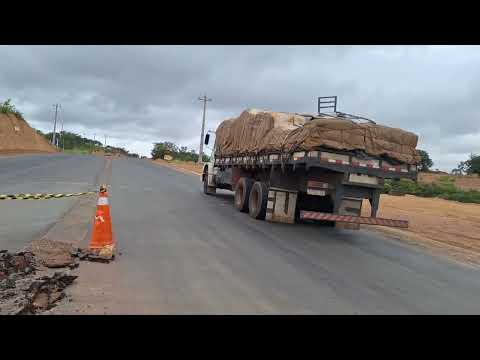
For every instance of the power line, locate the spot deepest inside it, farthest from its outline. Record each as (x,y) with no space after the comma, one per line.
(204,99)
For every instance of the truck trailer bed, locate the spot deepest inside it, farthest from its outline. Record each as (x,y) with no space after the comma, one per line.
(335,161)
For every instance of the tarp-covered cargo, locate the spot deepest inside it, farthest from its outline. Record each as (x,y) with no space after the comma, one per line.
(261,132)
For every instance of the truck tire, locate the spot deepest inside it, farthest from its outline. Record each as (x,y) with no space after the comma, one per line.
(242,193)
(257,203)
(208,190)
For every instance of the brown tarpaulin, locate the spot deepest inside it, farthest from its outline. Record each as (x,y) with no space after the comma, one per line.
(256,132)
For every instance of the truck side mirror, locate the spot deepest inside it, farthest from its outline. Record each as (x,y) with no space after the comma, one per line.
(207,138)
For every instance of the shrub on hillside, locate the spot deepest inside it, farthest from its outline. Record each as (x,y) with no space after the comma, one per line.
(8,108)
(444,188)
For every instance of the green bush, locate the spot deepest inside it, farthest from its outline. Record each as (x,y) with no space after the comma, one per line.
(71,141)
(8,108)
(178,153)
(444,188)
(387,187)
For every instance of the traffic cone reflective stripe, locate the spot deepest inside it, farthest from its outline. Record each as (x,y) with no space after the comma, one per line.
(102,236)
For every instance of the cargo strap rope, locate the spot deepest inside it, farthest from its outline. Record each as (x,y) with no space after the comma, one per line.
(42,196)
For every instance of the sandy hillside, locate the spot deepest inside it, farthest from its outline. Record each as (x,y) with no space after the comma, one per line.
(16,136)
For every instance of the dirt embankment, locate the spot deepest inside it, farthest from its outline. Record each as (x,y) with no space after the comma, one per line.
(184,166)
(17,137)
(438,224)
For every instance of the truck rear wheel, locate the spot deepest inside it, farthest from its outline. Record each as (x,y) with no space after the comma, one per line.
(257,203)
(242,193)
(208,190)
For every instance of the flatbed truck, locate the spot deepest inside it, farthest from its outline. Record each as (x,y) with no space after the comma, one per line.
(320,185)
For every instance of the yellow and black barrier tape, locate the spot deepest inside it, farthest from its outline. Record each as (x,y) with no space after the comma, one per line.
(42,196)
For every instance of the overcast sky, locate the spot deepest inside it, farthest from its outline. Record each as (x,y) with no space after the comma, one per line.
(137,95)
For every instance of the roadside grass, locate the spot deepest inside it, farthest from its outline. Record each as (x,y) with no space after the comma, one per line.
(444,188)
(77,151)
(176,161)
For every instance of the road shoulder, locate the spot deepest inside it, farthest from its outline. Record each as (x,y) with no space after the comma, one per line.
(186,168)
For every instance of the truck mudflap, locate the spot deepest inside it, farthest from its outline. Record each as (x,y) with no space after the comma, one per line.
(313,215)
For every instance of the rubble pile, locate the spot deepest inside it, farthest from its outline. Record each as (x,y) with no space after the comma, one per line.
(24,289)
(33,280)
(57,254)
(28,288)
(42,293)
(53,254)
(87,255)
(13,267)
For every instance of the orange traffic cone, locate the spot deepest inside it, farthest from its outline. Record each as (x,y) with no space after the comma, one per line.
(102,241)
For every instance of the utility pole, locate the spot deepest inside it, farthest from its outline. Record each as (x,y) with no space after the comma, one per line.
(105,143)
(55,125)
(62,139)
(204,99)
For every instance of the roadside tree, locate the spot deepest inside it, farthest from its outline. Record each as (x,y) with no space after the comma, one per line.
(426,162)
(470,166)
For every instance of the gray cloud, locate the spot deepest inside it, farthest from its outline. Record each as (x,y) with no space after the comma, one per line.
(141,94)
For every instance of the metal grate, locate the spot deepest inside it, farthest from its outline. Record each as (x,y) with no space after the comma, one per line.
(330,102)
(327,102)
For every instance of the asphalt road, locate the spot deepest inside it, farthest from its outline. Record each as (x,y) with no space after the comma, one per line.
(183,252)
(23,220)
